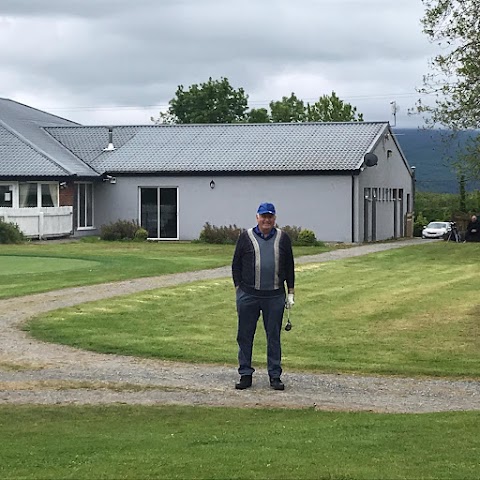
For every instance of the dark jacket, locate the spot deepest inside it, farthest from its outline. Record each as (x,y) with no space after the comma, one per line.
(473,231)
(243,264)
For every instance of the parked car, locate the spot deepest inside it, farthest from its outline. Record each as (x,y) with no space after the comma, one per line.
(437,230)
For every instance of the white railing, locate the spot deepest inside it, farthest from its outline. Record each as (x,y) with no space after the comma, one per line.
(42,222)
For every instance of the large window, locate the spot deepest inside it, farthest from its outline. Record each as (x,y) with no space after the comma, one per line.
(38,195)
(158,212)
(84,193)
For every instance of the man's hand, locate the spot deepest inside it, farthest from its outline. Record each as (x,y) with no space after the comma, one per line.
(290,300)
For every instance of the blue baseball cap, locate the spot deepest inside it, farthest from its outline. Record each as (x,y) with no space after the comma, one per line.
(266,208)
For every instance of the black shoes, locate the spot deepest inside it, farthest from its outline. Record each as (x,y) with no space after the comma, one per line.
(245,382)
(276,384)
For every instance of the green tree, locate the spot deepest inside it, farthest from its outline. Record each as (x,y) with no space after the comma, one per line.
(288,109)
(329,108)
(455,76)
(454,79)
(258,115)
(215,101)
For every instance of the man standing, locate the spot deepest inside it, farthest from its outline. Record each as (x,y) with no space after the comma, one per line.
(262,264)
(473,230)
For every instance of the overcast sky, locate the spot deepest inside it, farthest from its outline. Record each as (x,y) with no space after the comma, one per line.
(120,61)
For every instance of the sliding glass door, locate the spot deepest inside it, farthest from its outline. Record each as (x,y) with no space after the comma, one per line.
(158,212)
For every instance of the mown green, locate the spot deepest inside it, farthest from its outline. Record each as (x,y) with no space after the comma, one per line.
(127,442)
(93,262)
(410,311)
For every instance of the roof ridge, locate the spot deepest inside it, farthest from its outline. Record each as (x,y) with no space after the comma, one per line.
(34,147)
(191,125)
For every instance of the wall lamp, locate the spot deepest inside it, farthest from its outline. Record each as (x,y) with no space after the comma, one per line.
(109,178)
(63,185)
(212,184)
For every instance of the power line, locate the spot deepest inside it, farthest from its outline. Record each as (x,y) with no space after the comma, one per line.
(253,102)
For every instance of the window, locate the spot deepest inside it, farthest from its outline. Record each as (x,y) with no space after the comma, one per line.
(158,211)
(38,195)
(84,194)
(6,195)
(49,193)
(28,195)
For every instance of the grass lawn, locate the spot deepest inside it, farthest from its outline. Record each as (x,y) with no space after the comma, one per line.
(411,311)
(117,442)
(31,267)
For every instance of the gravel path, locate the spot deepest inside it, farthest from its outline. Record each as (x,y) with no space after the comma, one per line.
(56,374)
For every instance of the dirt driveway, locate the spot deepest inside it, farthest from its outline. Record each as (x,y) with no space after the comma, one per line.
(39,373)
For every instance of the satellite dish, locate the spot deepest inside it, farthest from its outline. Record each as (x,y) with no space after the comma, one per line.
(370,159)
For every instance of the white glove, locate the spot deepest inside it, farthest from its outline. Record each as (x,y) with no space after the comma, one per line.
(290,301)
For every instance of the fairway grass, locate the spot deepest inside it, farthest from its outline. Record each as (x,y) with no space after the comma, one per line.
(33,267)
(411,311)
(130,442)
(39,265)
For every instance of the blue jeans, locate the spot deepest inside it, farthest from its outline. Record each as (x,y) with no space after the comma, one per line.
(248,310)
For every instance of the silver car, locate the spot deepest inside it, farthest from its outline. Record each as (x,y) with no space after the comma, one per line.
(436,230)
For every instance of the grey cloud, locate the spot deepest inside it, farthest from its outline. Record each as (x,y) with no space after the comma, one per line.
(136,53)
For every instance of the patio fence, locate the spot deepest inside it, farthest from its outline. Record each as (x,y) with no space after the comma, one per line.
(44,222)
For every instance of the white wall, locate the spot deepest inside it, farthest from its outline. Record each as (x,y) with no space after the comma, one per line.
(318,203)
(390,173)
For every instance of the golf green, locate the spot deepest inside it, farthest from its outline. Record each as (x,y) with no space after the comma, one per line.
(19,265)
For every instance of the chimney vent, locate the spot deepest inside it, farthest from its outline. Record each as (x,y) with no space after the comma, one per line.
(110,146)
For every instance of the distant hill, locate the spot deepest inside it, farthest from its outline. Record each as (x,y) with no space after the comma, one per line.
(428,151)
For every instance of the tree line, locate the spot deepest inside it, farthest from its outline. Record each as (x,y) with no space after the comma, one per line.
(216,101)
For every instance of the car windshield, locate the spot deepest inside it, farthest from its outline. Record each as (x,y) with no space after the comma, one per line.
(437,225)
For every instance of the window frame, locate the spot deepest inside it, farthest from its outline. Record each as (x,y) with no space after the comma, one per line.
(85,209)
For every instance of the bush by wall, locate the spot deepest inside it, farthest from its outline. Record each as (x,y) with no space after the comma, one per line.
(219,235)
(141,235)
(229,235)
(122,230)
(10,233)
(301,237)
(420,222)
(306,238)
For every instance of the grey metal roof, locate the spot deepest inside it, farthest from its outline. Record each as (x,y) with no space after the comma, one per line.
(12,149)
(280,147)
(41,155)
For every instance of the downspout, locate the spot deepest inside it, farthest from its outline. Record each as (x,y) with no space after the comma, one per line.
(353,208)
(75,209)
(414,181)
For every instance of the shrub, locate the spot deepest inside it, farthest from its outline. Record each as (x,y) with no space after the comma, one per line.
(141,235)
(306,238)
(219,235)
(418,224)
(10,233)
(119,230)
(292,232)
